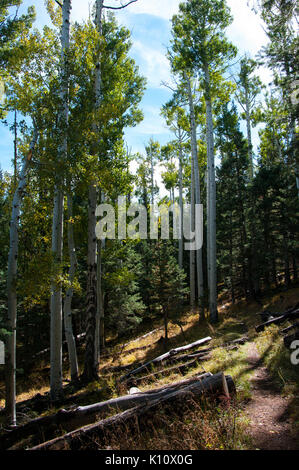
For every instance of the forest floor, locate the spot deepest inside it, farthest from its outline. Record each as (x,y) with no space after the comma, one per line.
(265,414)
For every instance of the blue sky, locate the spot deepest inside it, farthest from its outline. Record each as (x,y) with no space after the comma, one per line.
(149,22)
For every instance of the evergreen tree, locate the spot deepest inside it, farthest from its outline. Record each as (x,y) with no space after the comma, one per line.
(167,283)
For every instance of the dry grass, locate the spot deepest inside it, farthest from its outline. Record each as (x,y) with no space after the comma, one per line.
(206,425)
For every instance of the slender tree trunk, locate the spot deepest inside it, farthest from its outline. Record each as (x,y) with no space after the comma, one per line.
(152,180)
(199,264)
(91,356)
(15,161)
(181,240)
(208,228)
(212,265)
(100,317)
(10,399)
(56,299)
(68,324)
(232,282)
(192,252)
(249,138)
(90,367)
(58,213)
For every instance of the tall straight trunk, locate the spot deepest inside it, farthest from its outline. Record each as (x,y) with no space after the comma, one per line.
(152,180)
(212,265)
(192,252)
(100,314)
(232,283)
(91,356)
(100,318)
(181,240)
(208,228)
(253,278)
(58,213)
(56,299)
(15,160)
(10,362)
(249,138)
(90,366)
(68,324)
(297,177)
(199,264)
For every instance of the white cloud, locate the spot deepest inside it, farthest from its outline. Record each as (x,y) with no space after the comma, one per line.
(155,66)
(246,30)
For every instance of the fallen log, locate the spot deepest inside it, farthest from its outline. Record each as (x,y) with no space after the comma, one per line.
(292,315)
(295,326)
(181,368)
(288,340)
(187,357)
(165,356)
(46,427)
(96,435)
(266,315)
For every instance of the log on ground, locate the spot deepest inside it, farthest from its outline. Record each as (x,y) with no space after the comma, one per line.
(295,326)
(165,356)
(45,428)
(293,315)
(181,368)
(93,437)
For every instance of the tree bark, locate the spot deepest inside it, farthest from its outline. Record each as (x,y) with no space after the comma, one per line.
(90,366)
(191,252)
(68,325)
(91,357)
(57,227)
(212,264)
(10,398)
(181,240)
(249,138)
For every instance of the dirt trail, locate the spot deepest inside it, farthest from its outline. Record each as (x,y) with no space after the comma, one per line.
(270,426)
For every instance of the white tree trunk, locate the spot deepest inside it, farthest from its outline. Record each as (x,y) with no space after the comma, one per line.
(181,240)
(192,253)
(212,261)
(10,400)
(57,227)
(152,179)
(68,324)
(200,283)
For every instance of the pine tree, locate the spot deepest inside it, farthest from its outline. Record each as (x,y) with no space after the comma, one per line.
(167,283)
